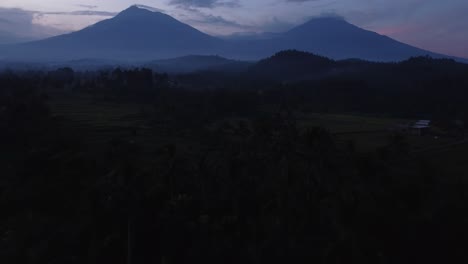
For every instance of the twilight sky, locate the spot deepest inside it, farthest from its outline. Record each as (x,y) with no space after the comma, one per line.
(436,25)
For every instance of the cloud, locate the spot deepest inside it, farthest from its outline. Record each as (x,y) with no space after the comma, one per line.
(301,1)
(81,13)
(16,25)
(213,24)
(276,25)
(205,3)
(150,8)
(87,6)
(218,21)
(71,21)
(328,14)
(19,25)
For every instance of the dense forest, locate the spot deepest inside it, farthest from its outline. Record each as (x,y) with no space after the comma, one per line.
(135,166)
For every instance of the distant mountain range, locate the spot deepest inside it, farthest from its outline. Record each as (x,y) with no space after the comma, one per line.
(293,65)
(309,71)
(138,34)
(195,63)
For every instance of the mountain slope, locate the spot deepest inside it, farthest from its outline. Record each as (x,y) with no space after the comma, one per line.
(9,38)
(134,34)
(334,38)
(292,65)
(139,34)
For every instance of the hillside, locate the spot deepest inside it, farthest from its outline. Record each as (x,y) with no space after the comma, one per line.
(134,34)
(138,34)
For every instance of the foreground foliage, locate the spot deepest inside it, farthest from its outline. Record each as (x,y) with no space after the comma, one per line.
(256,190)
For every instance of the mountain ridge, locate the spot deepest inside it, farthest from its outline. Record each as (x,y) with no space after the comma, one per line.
(134,34)
(140,33)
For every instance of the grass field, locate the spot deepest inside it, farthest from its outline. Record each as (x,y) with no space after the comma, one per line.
(341,123)
(368,133)
(453,159)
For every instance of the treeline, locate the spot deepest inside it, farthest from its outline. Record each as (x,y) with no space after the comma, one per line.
(420,87)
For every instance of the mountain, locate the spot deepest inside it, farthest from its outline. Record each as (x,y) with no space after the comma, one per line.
(134,34)
(138,34)
(292,65)
(10,38)
(338,39)
(334,38)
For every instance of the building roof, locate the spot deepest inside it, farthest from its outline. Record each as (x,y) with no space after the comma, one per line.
(423,122)
(420,124)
